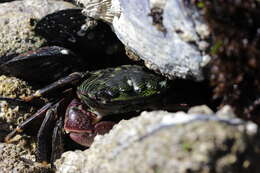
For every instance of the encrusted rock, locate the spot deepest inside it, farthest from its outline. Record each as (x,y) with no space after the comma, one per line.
(17,20)
(12,87)
(170,142)
(170,36)
(15,158)
(20,156)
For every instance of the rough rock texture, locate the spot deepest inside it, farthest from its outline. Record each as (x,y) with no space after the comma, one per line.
(17,20)
(17,159)
(12,87)
(170,36)
(170,142)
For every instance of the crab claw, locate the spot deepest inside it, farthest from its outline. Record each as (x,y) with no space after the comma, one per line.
(86,139)
(82,125)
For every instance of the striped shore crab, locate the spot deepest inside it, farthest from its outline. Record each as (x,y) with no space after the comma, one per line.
(101,94)
(111,91)
(104,97)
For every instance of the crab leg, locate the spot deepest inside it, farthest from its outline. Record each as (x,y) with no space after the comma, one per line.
(57,140)
(38,115)
(72,79)
(52,130)
(44,135)
(19,102)
(41,112)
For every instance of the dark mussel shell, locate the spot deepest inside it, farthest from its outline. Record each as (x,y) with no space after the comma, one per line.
(95,41)
(45,65)
(2,1)
(62,27)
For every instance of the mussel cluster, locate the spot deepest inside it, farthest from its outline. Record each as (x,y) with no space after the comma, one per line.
(70,46)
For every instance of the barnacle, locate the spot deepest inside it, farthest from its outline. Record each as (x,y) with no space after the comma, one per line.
(235,68)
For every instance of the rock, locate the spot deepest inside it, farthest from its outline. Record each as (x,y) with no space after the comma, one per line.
(17,22)
(226,111)
(18,157)
(10,112)
(12,87)
(170,36)
(15,158)
(170,142)
(203,109)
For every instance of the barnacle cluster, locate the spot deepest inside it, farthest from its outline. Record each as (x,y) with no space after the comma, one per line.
(13,88)
(235,69)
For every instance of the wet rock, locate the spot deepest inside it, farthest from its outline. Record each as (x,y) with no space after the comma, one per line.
(170,142)
(170,36)
(17,22)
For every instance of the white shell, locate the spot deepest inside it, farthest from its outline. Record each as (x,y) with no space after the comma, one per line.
(177,50)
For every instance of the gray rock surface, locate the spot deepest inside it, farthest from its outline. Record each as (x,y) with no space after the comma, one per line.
(170,142)
(17,20)
(170,36)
